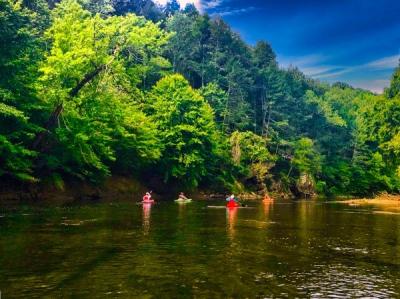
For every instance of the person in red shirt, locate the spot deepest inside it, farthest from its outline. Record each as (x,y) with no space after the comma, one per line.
(232,201)
(147,197)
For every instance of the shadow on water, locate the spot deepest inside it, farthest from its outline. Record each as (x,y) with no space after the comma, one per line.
(85,269)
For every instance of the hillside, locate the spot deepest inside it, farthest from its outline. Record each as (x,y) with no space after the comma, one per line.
(91,89)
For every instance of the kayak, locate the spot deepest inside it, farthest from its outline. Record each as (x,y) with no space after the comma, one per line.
(225,207)
(179,200)
(232,204)
(148,201)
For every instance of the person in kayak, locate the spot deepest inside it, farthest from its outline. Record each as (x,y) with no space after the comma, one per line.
(147,197)
(232,198)
(182,196)
(267,198)
(232,201)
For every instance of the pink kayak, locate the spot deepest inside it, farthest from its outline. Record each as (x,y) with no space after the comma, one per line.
(148,201)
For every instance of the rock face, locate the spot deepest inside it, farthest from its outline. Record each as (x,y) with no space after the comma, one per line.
(306,185)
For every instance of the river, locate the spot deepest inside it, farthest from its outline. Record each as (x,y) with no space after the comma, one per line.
(169,250)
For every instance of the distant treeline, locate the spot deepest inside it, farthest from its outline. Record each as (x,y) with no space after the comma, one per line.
(94,88)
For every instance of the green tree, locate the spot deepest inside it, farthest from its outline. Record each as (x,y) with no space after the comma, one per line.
(103,7)
(93,75)
(20,51)
(394,88)
(250,153)
(145,8)
(172,7)
(305,157)
(217,98)
(187,125)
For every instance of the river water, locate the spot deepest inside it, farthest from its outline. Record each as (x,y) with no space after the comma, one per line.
(170,250)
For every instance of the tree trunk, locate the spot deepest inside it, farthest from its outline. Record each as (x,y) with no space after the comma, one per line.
(88,77)
(268,122)
(54,116)
(53,119)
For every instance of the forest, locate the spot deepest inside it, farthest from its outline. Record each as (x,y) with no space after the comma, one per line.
(95,88)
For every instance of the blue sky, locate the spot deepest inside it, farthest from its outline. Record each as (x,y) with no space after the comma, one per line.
(354,41)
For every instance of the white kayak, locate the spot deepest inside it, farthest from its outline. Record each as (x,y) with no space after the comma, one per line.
(183,200)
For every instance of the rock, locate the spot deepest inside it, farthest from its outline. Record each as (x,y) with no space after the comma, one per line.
(306,185)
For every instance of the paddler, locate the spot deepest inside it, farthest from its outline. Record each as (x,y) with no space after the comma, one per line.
(232,198)
(267,198)
(147,197)
(182,196)
(232,201)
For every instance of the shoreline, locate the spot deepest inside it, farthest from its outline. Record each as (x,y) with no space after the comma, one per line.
(114,188)
(382,204)
(383,199)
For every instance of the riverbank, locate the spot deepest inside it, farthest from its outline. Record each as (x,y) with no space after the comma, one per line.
(115,188)
(382,199)
(384,203)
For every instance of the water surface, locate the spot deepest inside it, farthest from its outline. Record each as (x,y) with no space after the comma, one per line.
(124,250)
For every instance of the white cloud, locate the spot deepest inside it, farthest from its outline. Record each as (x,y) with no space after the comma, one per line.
(235,12)
(333,72)
(211,4)
(384,63)
(302,61)
(376,86)
(315,70)
(315,66)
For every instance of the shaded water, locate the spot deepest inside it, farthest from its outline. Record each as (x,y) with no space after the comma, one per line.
(304,249)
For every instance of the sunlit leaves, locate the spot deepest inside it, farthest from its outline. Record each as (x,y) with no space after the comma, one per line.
(96,67)
(186,125)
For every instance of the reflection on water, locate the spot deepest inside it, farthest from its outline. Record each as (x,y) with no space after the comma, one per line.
(267,206)
(275,250)
(231,217)
(146,217)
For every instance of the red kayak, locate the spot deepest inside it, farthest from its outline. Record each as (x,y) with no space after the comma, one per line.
(232,204)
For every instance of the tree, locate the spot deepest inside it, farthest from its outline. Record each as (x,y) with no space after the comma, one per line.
(188,48)
(264,56)
(250,153)
(92,76)
(103,7)
(394,89)
(145,8)
(191,10)
(377,160)
(307,163)
(186,122)
(20,51)
(171,8)
(305,158)
(217,98)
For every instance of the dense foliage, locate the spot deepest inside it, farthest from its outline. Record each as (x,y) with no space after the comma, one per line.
(90,88)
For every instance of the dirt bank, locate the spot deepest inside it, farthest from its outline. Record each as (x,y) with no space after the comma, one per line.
(384,203)
(113,188)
